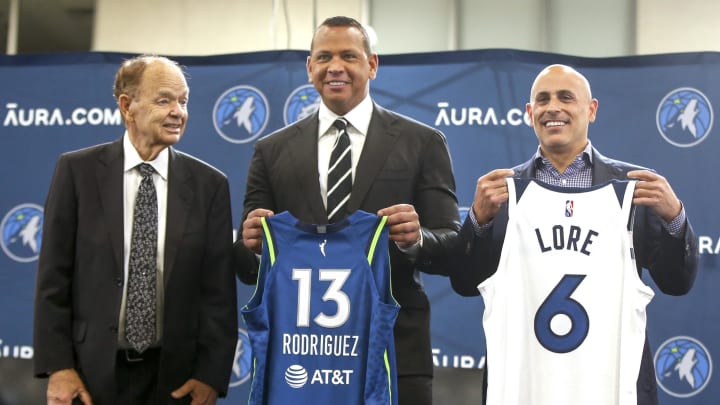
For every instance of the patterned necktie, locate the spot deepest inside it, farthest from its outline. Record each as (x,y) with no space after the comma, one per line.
(339,184)
(141,291)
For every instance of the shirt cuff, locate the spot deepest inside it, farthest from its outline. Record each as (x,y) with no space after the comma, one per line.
(676,227)
(412,250)
(480,230)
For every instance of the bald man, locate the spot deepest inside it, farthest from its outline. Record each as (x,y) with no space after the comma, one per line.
(561,108)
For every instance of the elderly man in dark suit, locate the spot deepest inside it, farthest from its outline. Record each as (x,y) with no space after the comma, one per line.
(135,300)
(400,168)
(561,108)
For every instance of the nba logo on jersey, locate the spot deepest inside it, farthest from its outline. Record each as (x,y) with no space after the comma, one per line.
(569,204)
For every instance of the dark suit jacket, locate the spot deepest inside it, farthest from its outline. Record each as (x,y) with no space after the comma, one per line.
(80,273)
(402,161)
(672,262)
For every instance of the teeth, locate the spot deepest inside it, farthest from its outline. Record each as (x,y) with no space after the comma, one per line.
(336,83)
(554,123)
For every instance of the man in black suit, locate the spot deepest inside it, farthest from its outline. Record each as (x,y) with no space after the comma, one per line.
(561,108)
(82,335)
(401,168)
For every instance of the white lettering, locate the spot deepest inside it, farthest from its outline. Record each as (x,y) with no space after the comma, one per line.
(46,117)
(11,117)
(56,118)
(475,116)
(456,361)
(490,117)
(442,117)
(706,245)
(78,116)
(458,120)
(320,345)
(472,115)
(512,116)
(334,377)
(41,116)
(95,116)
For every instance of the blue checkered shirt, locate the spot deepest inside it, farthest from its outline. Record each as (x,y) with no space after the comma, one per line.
(577,174)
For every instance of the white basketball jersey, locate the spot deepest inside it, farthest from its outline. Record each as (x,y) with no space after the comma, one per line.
(565,312)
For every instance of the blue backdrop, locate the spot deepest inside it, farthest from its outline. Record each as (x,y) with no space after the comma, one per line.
(657,111)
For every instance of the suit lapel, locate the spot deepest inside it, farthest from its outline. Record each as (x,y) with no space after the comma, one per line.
(603,169)
(303,152)
(179,200)
(109,176)
(379,141)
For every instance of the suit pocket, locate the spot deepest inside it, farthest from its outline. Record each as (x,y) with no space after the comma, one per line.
(79,331)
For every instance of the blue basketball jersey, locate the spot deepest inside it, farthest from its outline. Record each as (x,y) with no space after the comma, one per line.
(322,315)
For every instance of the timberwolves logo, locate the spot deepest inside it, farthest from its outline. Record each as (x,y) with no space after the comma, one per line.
(296,376)
(684,117)
(22,232)
(242,366)
(241,114)
(683,366)
(302,102)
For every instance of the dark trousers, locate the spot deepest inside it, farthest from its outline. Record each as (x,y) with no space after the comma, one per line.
(136,376)
(415,390)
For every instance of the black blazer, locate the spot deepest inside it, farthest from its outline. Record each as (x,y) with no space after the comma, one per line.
(80,273)
(672,262)
(403,161)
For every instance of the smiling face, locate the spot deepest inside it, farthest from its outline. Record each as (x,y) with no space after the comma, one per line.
(561,109)
(156,114)
(340,68)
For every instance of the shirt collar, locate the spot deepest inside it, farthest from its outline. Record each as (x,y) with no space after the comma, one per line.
(586,154)
(132,158)
(358,117)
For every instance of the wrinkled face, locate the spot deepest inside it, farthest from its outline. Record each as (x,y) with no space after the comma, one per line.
(561,109)
(339,67)
(157,114)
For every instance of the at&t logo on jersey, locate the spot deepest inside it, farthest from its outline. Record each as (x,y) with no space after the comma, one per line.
(684,117)
(683,366)
(241,114)
(242,365)
(302,102)
(22,232)
(297,376)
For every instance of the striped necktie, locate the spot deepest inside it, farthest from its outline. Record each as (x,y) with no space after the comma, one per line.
(339,184)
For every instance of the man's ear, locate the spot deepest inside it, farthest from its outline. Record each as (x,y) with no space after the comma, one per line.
(124,104)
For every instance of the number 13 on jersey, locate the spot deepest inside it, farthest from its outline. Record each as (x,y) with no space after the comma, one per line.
(334,292)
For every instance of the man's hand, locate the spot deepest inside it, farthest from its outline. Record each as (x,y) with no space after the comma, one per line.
(491,192)
(404,224)
(252,229)
(201,393)
(654,191)
(64,386)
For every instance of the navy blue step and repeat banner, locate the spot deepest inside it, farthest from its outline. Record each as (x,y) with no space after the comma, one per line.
(656,111)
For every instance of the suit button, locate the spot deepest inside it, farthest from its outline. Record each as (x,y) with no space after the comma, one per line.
(119,282)
(113,329)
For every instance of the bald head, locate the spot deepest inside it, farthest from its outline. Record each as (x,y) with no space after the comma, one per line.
(565,72)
